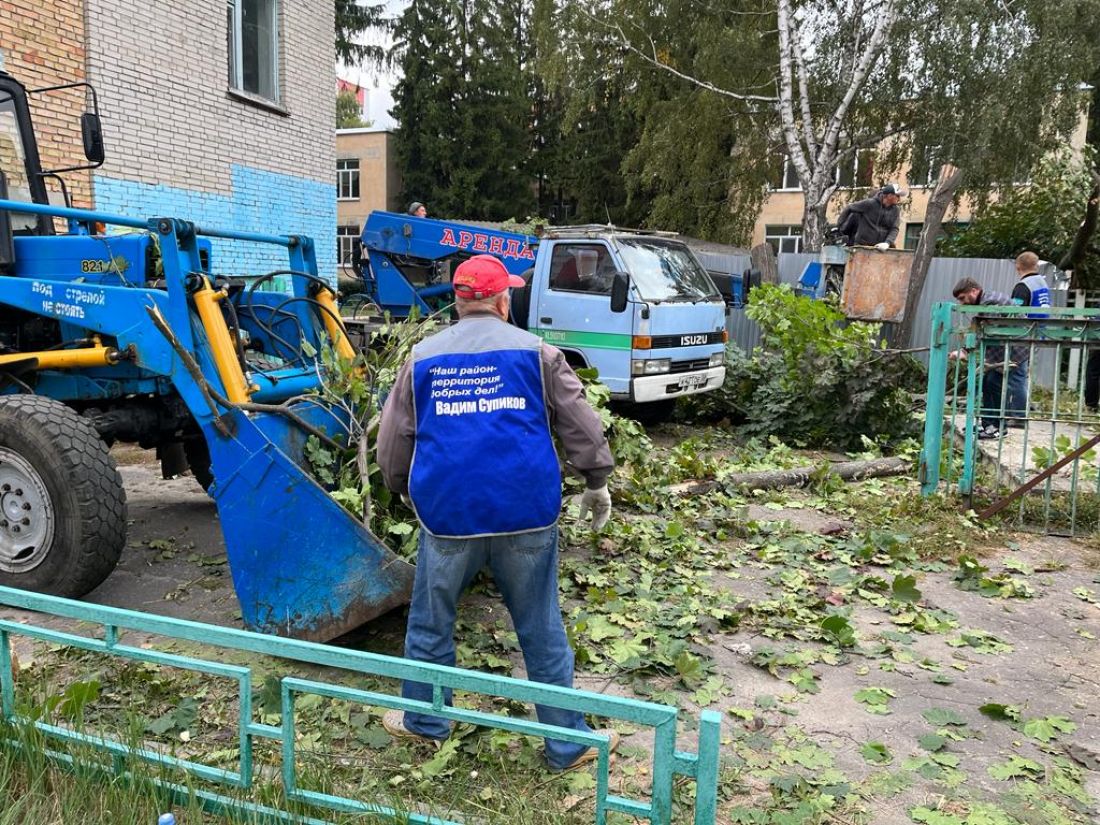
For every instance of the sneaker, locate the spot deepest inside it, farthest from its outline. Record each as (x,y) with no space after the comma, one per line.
(593,753)
(989,432)
(394,723)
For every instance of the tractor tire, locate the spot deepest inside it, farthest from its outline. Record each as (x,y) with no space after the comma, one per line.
(62,505)
(198,456)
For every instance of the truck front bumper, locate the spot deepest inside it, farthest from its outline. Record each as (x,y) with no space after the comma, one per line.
(659,387)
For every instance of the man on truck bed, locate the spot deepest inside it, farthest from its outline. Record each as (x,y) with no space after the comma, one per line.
(873,221)
(466,434)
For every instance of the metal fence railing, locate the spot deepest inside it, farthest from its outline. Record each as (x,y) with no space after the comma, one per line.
(997,434)
(668,766)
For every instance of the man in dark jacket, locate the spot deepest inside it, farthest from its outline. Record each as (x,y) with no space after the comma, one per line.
(873,221)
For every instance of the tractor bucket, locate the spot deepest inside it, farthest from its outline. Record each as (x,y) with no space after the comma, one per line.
(302,566)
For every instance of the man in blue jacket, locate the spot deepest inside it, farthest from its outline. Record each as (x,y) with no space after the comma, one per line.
(467,435)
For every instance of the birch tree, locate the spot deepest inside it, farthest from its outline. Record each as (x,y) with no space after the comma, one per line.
(987,86)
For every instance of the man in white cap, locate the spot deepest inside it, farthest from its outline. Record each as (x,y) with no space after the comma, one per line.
(873,221)
(467,435)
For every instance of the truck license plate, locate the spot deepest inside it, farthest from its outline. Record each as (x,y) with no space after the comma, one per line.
(690,382)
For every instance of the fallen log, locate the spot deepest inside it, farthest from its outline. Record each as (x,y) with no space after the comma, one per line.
(799,476)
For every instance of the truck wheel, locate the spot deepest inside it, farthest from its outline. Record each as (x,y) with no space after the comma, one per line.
(62,506)
(198,456)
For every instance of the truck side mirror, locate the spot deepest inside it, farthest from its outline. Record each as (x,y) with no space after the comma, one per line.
(92,132)
(7,242)
(620,288)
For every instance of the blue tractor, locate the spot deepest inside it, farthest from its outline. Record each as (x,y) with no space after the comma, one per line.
(115,329)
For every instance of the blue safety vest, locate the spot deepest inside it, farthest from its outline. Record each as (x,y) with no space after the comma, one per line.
(484,462)
(1040,293)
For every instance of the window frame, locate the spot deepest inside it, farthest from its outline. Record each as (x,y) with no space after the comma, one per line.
(341,236)
(566,247)
(793,231)
(340,177)
(235,40)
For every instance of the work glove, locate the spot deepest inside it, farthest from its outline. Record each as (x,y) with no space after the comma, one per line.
(882,245)
(598,503)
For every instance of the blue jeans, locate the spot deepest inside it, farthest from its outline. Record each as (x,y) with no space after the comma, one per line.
(1015,396)
(525,569)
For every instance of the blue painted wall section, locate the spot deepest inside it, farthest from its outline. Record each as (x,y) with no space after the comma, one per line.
(260,201)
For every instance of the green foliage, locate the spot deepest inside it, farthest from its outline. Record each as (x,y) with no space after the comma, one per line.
(1044,457)
(463,142)
(816,380)
(1042,217)
(348,113)
(353,19)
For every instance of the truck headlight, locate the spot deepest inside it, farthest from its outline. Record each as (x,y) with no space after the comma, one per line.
(718,359)
(656,366)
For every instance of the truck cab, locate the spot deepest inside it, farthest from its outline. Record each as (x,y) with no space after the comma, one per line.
(636,306)
(662,338)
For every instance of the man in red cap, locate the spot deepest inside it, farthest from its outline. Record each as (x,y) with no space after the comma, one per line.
(466,434)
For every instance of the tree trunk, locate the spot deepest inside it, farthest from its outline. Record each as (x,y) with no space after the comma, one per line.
(798,477)
(763,260)
(947,182)
(813,225)
(1077,251)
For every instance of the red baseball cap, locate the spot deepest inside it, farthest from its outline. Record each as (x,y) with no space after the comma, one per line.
(482,276)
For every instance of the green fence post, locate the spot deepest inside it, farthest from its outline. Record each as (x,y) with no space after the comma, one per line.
(935,399)
(706,775)
(7,678)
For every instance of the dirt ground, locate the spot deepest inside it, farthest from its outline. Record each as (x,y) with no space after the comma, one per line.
(174,565)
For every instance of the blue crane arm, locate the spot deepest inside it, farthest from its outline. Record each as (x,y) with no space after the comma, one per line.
(403,253)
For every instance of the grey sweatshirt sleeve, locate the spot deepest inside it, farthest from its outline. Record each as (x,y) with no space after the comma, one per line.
(892,235)
(397,433)
(576,424)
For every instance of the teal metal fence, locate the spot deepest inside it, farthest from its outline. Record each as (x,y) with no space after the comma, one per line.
(668,762)
(995,434)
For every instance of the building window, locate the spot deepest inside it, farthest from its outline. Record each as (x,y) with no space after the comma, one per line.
(947,230)
(925,166)
(784,238)
(852,172)
(912,235)
(345,243)
(785,176)
(347,179)
(253,45)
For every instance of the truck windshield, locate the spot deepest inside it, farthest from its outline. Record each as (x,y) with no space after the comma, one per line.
(666,271)
(13,161)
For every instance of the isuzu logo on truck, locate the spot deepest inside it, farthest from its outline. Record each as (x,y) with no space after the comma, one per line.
(693,340)
(484,242)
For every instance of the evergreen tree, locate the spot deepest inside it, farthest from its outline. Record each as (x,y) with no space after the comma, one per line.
(462,108)
(352,20)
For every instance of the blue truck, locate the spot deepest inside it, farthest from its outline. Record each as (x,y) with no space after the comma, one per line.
(637,306)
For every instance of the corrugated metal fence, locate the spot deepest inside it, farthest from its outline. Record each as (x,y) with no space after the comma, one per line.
(992,274)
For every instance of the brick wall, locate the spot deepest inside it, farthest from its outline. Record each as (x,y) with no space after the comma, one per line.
(179,143)
(43,45)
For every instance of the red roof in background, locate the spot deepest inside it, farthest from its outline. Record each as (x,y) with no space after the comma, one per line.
(347,86)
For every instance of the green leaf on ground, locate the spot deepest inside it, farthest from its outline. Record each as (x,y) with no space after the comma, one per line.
(941,717)
(876,753)
(904,589)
